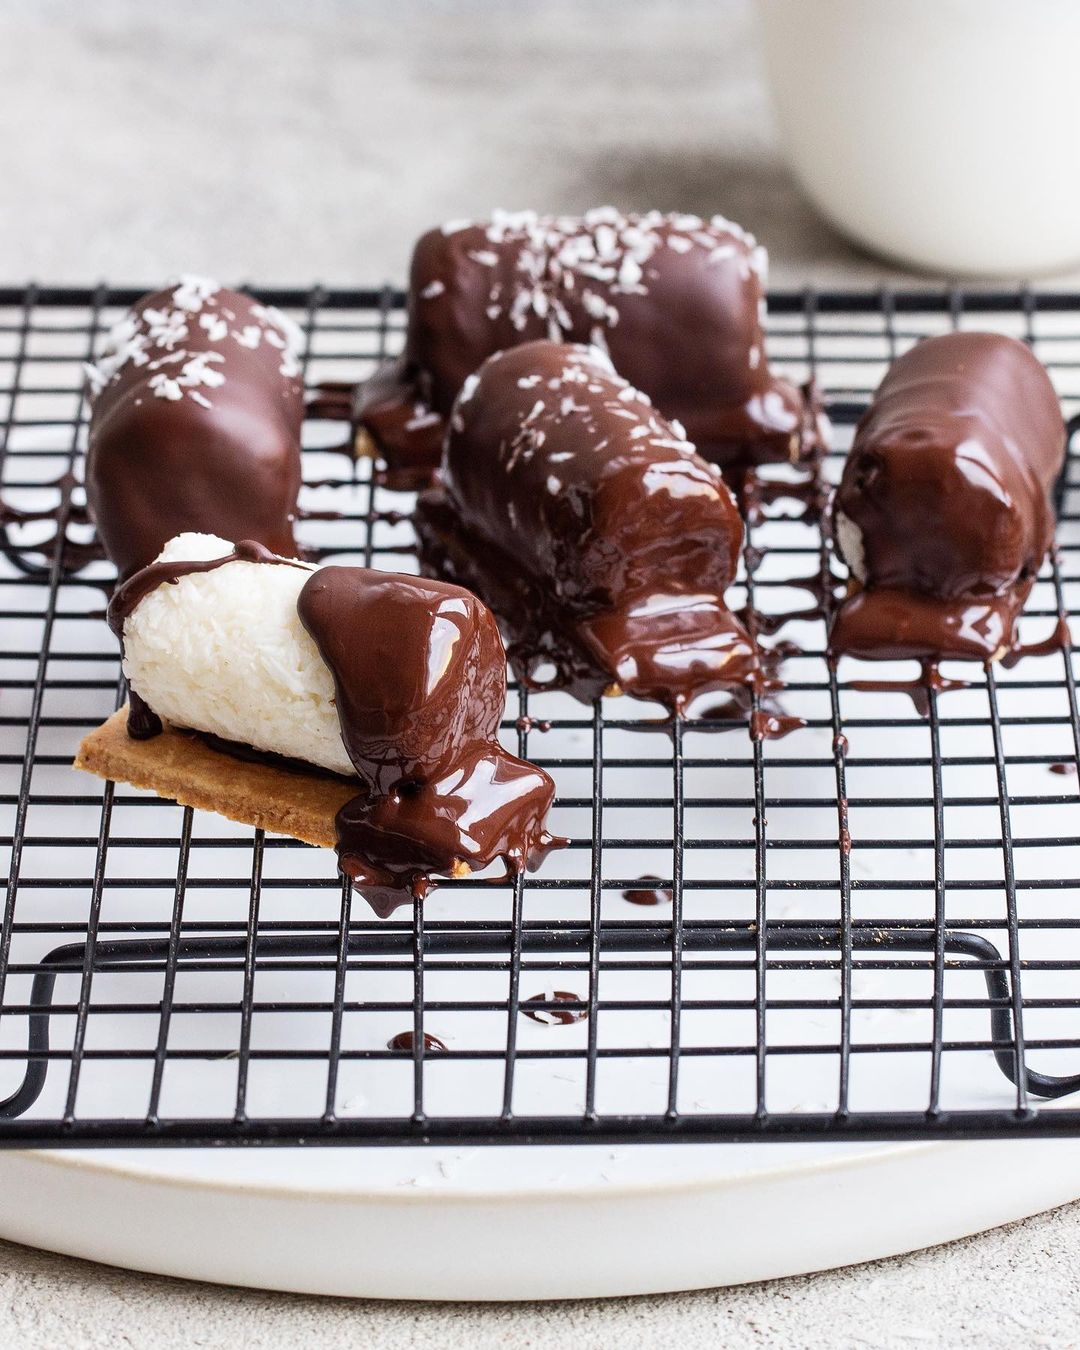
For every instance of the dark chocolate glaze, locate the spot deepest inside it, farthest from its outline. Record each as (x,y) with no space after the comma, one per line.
(420,680)
(195,424)
(676,300)
(587,522)
(949,485)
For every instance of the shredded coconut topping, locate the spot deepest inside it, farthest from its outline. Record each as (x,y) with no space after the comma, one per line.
(156,336)
(559,399)
(591,261)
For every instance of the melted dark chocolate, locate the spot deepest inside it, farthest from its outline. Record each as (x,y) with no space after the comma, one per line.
(527,724)
(587,522)
(944,505)
(649,892)
(555,1016)
(420,681)
(195,425)
(676,300)
(143,724)
(919,690)
(406,1040)
(74,554)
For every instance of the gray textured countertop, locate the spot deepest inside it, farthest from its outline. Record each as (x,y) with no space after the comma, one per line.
(253,140)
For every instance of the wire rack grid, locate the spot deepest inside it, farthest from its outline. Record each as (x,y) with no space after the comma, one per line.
(865,929)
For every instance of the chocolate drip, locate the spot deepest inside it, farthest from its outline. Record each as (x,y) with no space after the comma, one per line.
(195,424)
(648,893)
(676,300)
(587,522)
(129,594)
(420,683)
(1060,640)
(943,512)
(74,554)
(1063,769)
(769,720)
(406,1040)
(143,724)
(930,681)
(527,724)
(554,1016)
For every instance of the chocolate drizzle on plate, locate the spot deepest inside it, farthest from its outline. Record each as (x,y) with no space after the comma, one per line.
(943,513)
(676,300)
(195,424)
(586,520)
(420,682)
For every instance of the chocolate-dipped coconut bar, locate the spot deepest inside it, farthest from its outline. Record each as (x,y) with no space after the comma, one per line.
(343,706)
(196,406)
(943,513)
(675,300)
(602,541)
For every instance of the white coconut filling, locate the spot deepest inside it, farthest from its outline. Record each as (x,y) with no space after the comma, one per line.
(850,540)
(225,652)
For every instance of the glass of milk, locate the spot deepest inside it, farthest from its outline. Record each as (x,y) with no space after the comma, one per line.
(943,133)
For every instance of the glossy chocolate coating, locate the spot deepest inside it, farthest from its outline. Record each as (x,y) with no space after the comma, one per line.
(418,670)
(588,523)
(195,424)
(420,680)
(943,512)
(677,302)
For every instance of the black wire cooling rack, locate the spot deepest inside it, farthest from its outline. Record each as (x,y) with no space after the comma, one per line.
(868,928)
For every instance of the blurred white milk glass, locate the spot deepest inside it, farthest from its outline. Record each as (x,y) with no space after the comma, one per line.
(945,133)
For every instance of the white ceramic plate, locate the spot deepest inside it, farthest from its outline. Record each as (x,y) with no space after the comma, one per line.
(521,1223)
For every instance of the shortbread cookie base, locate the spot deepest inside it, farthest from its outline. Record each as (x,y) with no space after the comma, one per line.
(180,766)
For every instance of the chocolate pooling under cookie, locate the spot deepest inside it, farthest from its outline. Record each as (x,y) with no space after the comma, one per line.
(677,301)
(587,522)
(196,406)
(943,513)
(420,679)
